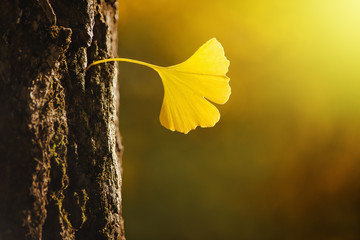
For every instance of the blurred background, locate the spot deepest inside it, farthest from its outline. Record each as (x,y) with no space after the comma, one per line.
(284,160)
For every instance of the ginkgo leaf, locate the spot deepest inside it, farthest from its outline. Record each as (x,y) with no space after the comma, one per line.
(187,84)
(188,87)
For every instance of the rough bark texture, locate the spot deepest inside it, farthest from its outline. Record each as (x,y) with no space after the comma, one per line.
(60,152)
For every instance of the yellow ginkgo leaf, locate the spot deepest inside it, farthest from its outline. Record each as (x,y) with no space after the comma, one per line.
(188,87)
(186,84)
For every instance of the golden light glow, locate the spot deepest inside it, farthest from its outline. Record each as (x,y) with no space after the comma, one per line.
(285,156)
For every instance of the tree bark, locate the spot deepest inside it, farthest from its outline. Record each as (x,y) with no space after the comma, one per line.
(60,162)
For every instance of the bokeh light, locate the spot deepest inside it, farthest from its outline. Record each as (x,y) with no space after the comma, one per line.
(284,160)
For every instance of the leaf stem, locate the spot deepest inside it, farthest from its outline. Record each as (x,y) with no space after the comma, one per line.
(123,60)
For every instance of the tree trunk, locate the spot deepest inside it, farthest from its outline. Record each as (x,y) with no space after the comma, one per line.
(60,162)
